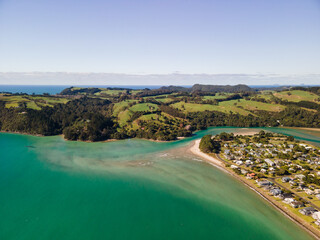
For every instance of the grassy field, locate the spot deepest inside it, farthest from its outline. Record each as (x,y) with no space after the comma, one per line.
(225,107)
(165,100)
(125,114)
(194,107)
(297,96)
(144,107)
(50,100)
(253,105)
(242,107)
(110,92)
(149,117)
(121,106)
(123,117)
(113,92)
(34,102)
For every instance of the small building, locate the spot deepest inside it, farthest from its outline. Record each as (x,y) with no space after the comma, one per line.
(234,167)
(300,176)
(285,179)
(250,175)
(227,151)
(244,172)
(307,211)
(269,162)
(263,170)
(308,191)
(316,215)
(264,183)
(239,162)
(249,162)
(296,204)
(275,191)
(288,200)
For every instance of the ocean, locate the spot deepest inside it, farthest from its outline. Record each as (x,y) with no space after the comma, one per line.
(129,189)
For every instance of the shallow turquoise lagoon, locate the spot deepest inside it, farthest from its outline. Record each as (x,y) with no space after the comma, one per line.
(132,189)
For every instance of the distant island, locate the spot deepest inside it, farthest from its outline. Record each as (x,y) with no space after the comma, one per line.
(164,114)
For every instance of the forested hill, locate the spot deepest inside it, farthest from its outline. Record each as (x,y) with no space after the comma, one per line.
(97,114)
(222,88)
(211,88)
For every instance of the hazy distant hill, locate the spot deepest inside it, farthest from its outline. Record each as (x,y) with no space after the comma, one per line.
(222,88)
(210,88)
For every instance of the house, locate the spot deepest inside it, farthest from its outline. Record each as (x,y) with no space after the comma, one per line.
(301,186)
(269,162)
(316,215)
(296,204)
(226,151)
(251,175)
(285,179)
(239,162)
(307,211)
(275,191)
(234,167)
(308,191)
(300,176)
(244,172)
(249,162)
(264,183)
(228,157)
(288,200)
(318,196)
(292,183)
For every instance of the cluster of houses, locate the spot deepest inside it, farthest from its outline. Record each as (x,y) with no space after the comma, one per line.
(250,159)
(267,158)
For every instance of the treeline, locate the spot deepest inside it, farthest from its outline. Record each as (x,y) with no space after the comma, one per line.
(290,117)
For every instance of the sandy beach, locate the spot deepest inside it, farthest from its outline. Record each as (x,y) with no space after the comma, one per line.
(246,131)
(194,148)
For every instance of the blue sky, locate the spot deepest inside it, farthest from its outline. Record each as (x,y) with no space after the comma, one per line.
(161,36)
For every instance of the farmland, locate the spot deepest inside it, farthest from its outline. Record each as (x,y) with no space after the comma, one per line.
(164,114)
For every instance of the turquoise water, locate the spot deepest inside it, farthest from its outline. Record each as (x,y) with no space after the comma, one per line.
(131,189)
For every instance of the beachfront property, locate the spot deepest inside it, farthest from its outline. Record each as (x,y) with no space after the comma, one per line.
(285,170)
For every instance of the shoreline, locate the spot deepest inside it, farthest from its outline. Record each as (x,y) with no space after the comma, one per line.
(220,165)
